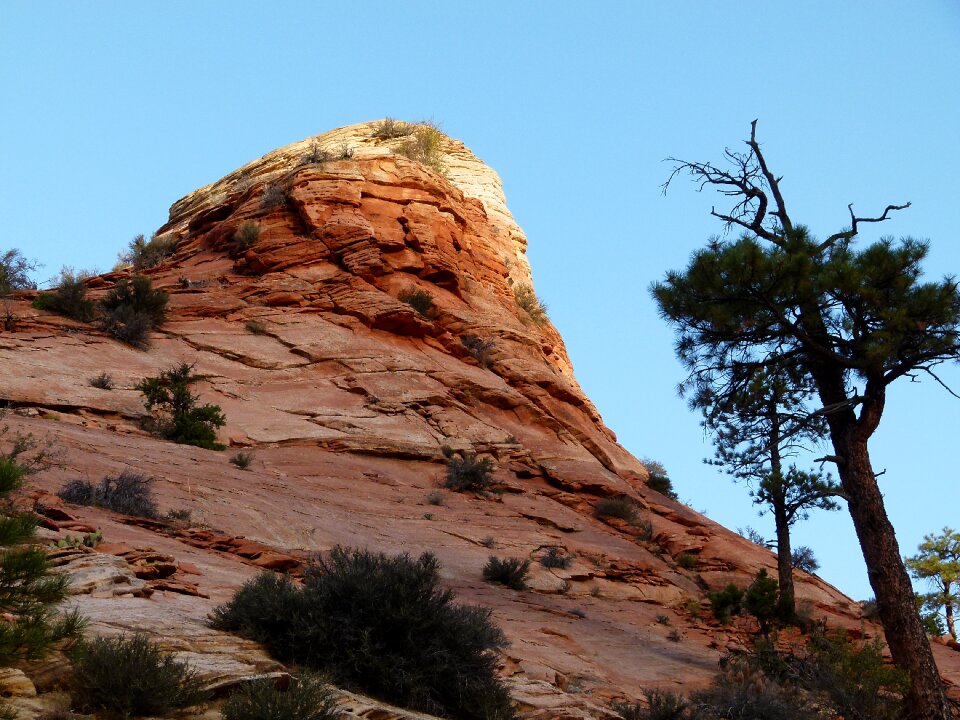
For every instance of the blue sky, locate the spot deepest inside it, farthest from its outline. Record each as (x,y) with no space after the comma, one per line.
(114,110)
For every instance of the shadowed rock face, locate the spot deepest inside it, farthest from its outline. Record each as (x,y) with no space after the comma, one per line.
(346,395)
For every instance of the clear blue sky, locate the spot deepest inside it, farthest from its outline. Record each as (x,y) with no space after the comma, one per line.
(113,110)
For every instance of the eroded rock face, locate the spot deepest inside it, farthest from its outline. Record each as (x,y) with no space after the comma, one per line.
(346,395)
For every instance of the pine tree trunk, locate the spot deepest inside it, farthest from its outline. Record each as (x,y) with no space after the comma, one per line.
(948,611)
(786,604)
(902,626)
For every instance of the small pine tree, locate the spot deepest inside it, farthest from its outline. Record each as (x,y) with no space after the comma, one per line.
(29,591)
(176,415)
(938,561)
(760,600)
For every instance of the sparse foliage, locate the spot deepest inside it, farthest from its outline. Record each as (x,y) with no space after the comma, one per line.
(466,472)
(381,625)
(621,507)
(307,698)
(15,272)
(419,300)
(246,235)
(660,705)
(130,493)
(388,129)
(176,415)
(511,572)
(69,298)
(144,254)
(274,195)
(424,145)
(255,327)
(479,349)
(103,381)
(242,460)
(658,478)
(555,557)
(127,676)
(316,155)
(528,301)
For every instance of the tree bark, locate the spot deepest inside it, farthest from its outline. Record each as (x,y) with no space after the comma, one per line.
(948,611)
(904,631)
(786,604)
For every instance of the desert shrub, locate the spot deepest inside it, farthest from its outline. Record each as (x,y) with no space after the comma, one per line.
(511,572)
(144,254)
(740,694)
(621,507)
(130,493)
(127,676)
(131,309)
(29,589)
(479,349)
(246,235)
(381,625)
(183,516)
(419,300)
(242,460)
(658,479)
(687,561)
(256,327)
(554,557)
(69,298)
(316,155)
(859,684)
(660,705)
(760,600)
(434,497)
(528,301)
(726,602)
(274,195)
(307,698)
(424,145)
(388,128)
(344,152)
(103,381)
(467,472)
(176,415)
(754,536)
(802,558)
(14,272)
(663,619)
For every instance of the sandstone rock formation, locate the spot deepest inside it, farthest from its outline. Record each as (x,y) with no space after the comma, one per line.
(346,395)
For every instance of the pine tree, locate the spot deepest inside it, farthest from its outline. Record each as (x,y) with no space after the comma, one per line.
(754,431)
(177,416)
(939,562)
(849,322)
(29,590)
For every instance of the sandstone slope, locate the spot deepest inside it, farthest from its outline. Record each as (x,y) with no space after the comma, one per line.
(346,395)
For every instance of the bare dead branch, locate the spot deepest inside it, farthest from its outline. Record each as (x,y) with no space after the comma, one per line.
(854,220)
(773,182)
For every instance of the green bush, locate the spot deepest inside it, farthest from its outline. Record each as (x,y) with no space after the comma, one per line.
(29,589)
(242,460)
(131,309)
(760,600)
(467,472)
(554,557)
(658,479)
(144,254)
(802,558)
(307,698)
(246,235)
(621,507)
(129,493)
(511,572)
(176,415)
(528,301)
(419,300)
(741,695)
(14,272)
(726,602)
(661,705)
(123,677)
(380,625)
(69,298)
